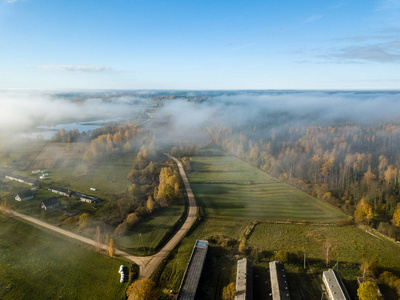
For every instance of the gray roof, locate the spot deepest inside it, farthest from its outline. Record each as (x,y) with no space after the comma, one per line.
(192,275)
(25,179)
(334,285)
(58,189)
(244,280)
(25,194)
(279,284)
(50,201)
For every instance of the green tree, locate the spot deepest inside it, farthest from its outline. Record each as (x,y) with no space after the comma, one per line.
(134,191)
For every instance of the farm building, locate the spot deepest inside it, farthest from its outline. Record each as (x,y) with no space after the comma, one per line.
(279,285)
(24,195)
(190,282)
(22,179)
(244,280)
(60,191)
(50,203)
(334,286)
(85,198)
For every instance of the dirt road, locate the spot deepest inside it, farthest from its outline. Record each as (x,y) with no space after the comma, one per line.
(191,218)
(147,264)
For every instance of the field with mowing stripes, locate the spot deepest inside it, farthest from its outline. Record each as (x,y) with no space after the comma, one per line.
(229,188)
(35,264)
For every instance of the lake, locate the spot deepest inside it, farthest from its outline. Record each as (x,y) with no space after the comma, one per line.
(49,131)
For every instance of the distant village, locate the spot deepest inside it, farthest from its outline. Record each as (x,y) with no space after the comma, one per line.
(48,203)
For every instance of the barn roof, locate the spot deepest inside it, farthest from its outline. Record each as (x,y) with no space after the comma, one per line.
(50,201)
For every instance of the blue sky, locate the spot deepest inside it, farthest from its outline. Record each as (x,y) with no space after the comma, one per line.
(188,44)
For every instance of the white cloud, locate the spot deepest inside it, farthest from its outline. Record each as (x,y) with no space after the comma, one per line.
(77,68)
(313,19)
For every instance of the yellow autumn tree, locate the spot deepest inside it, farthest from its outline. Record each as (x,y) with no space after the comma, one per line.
(168,189)
(111,248)
(396,216)
(144,289)
(229,292)
(150,203)
(363,212)
(242,246)
(282,256)
(368,291)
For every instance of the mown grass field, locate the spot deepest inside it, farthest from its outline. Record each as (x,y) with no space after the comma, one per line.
(35,264)
(230,189)
(350,244)
(152,229)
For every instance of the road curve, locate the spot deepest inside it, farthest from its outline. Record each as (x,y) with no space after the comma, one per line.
(191,218)
(147,264)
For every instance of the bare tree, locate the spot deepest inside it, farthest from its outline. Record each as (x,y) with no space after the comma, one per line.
(327,249)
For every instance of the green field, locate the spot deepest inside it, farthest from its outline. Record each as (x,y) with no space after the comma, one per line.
(350,244)
(234,195)
(152,229)
(35,264)
(228,188)
(108,177)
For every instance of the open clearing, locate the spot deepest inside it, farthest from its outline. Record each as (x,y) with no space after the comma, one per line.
(35,264)
(350,244)
(231,189)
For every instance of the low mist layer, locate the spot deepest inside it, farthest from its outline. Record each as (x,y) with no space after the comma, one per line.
(23,109)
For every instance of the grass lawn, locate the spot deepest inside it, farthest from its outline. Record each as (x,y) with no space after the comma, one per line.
(35,264)
(228,188)
(152,229)
(350,244)
(107,177)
